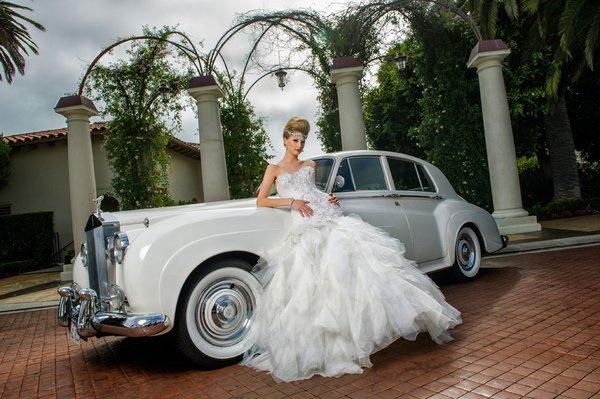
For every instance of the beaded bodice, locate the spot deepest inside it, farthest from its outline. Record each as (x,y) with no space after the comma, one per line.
(301,185)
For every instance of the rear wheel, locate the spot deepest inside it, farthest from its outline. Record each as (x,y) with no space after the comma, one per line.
(467,254)
(214,317)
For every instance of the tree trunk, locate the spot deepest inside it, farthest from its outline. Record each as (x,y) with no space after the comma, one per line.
(559,139)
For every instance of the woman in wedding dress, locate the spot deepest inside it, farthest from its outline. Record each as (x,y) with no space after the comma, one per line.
(337,289)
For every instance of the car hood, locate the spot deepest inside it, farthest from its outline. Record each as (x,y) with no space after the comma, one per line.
(138,216)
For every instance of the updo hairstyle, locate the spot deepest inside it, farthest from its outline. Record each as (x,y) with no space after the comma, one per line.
(296,124)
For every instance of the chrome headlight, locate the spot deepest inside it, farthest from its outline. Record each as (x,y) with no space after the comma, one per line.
(84,254)
(121,242)
(116,297)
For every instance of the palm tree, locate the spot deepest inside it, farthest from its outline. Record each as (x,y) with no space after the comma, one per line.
(15,41)
(570,28)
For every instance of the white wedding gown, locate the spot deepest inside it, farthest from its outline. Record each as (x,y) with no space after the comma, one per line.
(336,290)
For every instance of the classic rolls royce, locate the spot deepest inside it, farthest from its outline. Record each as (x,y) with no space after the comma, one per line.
(186,270)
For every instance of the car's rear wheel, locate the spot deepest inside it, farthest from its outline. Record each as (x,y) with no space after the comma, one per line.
(213,321)
(467,254)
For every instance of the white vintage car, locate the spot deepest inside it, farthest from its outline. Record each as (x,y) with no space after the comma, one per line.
(187,269)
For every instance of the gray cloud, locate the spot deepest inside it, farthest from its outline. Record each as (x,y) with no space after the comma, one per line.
(78,30)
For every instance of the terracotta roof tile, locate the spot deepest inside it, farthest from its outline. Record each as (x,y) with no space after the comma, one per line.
(96,129)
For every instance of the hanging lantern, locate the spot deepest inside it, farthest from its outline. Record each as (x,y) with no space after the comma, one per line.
(280,74)
(401,61)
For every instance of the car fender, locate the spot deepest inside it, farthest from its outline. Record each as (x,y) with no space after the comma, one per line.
(485,226)
(164,256)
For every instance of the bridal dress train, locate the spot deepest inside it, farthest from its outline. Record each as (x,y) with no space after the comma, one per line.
(336,290)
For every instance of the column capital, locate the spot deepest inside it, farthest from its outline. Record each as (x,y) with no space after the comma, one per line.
(488,53)
(200,86)
(70,106)
(346,67)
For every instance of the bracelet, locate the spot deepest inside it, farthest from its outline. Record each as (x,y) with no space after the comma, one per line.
(292,201)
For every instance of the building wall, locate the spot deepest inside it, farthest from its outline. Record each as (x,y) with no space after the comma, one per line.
(39,181)
(185,178)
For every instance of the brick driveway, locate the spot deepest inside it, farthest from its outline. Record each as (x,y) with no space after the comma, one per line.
(531,328)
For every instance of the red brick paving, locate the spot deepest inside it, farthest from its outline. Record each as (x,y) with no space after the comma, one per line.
(531,328)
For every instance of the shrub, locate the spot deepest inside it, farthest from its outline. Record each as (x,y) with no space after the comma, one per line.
(8,269)
(27,236)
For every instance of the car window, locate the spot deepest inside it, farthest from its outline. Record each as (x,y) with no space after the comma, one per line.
(361,173)
(426,179)
(322,174)
(409,176)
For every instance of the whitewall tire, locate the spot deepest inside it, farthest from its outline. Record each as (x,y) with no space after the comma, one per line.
(467,254)
(214,318)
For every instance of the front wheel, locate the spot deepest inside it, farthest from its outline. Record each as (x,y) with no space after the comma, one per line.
(214,318)
(467,254)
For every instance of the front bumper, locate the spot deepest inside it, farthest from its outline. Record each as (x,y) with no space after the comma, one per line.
(80,312)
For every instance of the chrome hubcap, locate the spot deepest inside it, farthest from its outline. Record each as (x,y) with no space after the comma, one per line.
(224,311)
(466,252)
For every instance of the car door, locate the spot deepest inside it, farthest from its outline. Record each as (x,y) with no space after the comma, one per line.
(416,194)
(366,192)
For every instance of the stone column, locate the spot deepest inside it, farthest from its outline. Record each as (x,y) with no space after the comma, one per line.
(82,181)
(206,92)
(510,216)
(345,73)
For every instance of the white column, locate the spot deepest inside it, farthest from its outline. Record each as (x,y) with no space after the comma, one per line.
(345,73)
(206,92)
(82,182)
(510,216)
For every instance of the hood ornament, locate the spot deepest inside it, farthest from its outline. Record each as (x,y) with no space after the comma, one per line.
(97,201)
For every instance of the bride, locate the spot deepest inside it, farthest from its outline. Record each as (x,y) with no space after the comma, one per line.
(337,289)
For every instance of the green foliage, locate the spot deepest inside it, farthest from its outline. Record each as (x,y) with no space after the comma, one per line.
(391,109)
(69,255)
(451,128)
(8,269)
(15,41)
(4,161)
(142,95)
(535,188)
(28,236)
(245,142)
(565,209)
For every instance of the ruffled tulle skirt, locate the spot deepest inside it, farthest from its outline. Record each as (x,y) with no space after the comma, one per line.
(336,292)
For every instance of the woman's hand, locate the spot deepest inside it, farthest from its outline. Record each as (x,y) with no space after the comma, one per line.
(302,207)
(333,200)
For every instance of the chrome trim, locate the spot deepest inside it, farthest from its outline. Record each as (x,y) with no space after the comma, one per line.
(142,325)
(80,309)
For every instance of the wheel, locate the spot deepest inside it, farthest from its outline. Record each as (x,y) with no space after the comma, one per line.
(214,317)
(467,253)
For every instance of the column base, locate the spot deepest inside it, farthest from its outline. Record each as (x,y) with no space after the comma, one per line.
(518,224)
(67,274)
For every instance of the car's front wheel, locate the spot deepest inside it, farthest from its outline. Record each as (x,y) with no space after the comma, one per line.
(467,254)
(214,315)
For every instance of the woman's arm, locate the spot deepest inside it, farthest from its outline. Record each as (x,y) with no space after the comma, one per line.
(263,194)
(265,187)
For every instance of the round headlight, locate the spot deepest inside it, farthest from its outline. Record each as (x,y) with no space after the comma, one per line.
(84,254)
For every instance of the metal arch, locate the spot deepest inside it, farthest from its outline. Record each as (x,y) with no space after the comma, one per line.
(186,51)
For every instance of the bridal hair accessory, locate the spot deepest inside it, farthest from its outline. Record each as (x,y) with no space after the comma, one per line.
(297,135)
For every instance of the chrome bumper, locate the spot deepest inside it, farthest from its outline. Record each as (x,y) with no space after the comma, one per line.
(80,312)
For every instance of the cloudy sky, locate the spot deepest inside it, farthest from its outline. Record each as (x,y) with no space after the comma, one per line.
(77,30)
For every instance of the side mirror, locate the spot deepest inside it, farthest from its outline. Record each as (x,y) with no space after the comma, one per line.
(339,182)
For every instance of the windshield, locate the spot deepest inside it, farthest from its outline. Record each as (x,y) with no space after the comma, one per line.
(323,171)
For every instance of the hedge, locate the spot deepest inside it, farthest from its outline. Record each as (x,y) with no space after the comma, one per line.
(8,269)
(565,209)
(27,237)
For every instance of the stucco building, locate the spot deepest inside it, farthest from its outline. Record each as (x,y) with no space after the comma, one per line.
(39,175)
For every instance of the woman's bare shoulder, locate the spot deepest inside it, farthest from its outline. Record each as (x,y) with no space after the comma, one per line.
(311,163)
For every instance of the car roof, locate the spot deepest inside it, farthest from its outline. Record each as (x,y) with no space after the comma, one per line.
(340,154)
